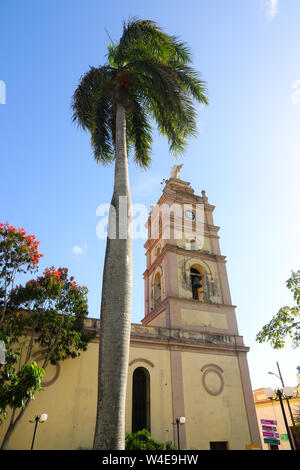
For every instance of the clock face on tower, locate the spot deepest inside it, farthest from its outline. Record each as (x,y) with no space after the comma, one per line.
(190,215)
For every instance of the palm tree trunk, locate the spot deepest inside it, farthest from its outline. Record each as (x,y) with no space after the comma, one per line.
(115,320)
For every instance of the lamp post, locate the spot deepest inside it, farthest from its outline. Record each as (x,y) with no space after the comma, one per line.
(286,392)
(38,419)
(179,421)
(287,400)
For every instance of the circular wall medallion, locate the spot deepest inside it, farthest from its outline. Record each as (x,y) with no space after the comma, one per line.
(213,381)
(52,371)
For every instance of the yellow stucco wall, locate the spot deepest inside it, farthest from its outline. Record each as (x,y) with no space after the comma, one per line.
(160,390)
(192,317)
(71,401)
(214,418)
(70,404)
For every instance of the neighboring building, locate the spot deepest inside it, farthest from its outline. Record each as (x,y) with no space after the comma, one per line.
(186,358)
(267,409)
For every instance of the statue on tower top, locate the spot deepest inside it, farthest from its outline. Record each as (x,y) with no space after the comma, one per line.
(176,170)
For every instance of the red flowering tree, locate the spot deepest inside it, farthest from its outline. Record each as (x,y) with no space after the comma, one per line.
(18,382)
(46,314)
(18,254)
(56,307)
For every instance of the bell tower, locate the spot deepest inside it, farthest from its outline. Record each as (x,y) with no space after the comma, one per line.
(188,304)
(186,283)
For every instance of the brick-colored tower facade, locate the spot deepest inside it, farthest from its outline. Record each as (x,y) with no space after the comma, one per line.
(187,289)
(170,261)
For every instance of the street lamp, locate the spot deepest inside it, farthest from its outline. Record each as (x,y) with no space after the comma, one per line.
(179,421)
(287,400)
(38,419)
(286,392)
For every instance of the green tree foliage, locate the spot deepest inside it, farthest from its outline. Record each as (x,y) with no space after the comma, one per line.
(58,308)
(45,315)
(142,440)
(286,323)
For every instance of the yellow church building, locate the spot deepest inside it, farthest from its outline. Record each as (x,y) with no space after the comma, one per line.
(187,358)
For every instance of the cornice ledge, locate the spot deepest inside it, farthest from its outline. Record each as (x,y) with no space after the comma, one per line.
(189,338)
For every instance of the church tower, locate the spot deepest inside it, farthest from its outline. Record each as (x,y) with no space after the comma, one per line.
(186,283)
(187,295)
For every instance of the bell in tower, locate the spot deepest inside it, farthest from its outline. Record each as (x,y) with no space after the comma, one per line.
(196,283)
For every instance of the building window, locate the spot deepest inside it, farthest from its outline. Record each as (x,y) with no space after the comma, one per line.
(140,400)
(221,445)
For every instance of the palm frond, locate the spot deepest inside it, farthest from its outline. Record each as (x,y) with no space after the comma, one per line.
(191,81)
(92,106)
(101,134)
(166,99)
(182,52)
(139,132)
(112,55)
(93,84)
(147,33)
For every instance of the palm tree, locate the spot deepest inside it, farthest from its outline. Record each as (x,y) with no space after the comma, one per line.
(147,78)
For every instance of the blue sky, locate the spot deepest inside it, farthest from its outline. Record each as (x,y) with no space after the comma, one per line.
(246,155)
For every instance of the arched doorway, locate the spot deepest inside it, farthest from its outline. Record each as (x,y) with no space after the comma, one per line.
(140,400)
